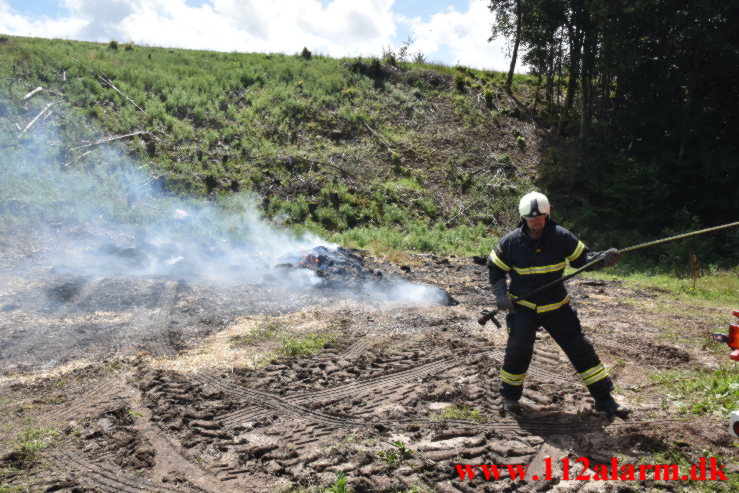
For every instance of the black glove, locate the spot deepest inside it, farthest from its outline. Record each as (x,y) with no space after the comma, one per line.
(610,257)
(501,296)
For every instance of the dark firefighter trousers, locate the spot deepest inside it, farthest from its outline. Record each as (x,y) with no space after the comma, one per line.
(564,327)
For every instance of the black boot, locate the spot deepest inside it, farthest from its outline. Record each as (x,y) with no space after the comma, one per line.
(612,408)
(510,406)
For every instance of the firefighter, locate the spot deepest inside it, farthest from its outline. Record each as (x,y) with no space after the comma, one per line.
(532,255)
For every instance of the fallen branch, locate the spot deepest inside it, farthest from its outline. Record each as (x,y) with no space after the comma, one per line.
(34,120)
(379,137)
(462,209)
(107,81)
(76,159)
(103,141)
(148,182)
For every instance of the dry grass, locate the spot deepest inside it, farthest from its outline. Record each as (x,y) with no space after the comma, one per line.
(250,342)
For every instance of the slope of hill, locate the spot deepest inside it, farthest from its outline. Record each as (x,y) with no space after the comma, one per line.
(330,144)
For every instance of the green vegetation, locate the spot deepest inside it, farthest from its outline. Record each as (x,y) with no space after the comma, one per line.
(461,412)
(715,285)
(643,124)
(292,345)
(135,414)
(303,346)
(267,330)
(394,456)
(29,443)
(339,486)
(6,488)
(701,391)
(332,145)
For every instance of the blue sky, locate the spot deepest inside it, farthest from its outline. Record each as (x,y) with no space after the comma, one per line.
(449,31)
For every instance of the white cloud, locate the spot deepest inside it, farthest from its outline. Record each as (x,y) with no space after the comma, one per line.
(14,23)
(340,28)
(461,36)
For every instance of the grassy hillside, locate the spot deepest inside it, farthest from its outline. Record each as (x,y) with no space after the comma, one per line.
(421,157)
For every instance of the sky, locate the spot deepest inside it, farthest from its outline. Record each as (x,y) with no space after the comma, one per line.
(446,31)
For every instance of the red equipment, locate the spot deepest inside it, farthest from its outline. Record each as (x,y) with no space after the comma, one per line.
(732,338)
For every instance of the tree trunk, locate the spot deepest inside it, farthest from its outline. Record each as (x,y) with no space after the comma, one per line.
(586,84)
(559,72)
(509,81)
(575,47)
(687,109)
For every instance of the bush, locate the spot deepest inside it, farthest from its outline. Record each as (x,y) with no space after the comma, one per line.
(459,81)
(489,95)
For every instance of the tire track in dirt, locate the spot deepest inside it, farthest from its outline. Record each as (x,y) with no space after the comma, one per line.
(358,347)
(107,478)
(357,388)
(169,456)
(156,320)
(99,472)
(525,425)
(393,387)
(299,436)
(108,395)
(88,290)
(350,390)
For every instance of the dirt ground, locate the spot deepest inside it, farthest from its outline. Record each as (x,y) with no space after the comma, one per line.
(158,385)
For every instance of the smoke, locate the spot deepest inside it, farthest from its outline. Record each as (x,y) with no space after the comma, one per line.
(109,218)
(105,216)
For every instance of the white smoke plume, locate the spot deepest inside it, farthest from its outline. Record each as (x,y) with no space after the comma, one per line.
(104,216)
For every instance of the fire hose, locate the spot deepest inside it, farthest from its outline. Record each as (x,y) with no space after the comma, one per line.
(488,315)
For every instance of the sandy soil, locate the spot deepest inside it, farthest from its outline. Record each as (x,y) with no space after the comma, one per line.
(159,385)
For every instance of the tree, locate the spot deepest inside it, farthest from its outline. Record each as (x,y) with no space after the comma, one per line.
(508,19)
(653,88)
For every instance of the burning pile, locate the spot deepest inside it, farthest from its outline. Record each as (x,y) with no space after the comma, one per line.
(344,270)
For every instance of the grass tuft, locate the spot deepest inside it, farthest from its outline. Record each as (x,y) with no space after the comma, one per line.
(304,346)
(265,331)
(29,443)
(461,412)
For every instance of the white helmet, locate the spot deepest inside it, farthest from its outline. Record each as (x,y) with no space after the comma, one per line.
(533,204)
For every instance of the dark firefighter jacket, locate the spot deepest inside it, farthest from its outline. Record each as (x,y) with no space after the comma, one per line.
(534,263)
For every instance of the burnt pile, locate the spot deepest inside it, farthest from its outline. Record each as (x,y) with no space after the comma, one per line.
(339,268)
(345,271)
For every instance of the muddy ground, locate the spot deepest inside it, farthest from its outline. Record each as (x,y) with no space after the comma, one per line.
(160,385)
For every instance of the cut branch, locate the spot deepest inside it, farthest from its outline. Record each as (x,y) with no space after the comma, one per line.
(379,137)
(32,93)
(34,120)
(76,159)
(107,81)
